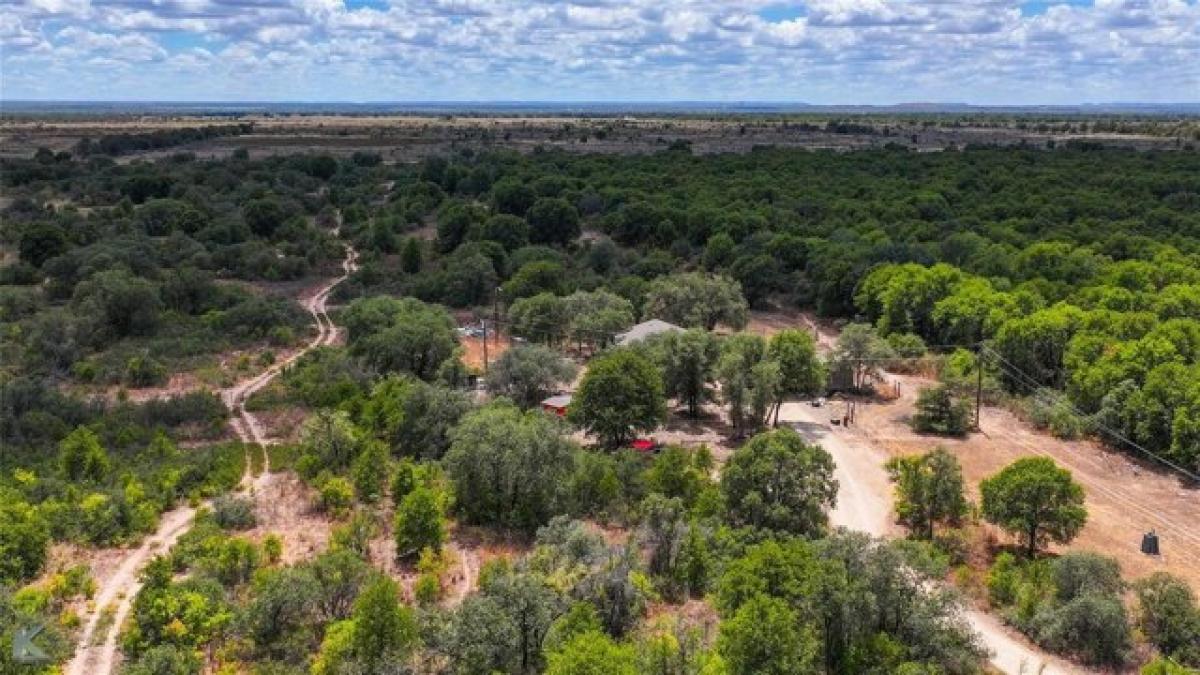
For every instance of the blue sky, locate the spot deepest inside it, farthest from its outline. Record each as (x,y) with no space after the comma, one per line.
(816,51)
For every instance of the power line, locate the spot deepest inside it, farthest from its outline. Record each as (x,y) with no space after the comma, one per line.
(1013,370)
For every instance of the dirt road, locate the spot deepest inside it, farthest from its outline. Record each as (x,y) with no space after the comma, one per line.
(92,658)
(865,503)
(1126,497)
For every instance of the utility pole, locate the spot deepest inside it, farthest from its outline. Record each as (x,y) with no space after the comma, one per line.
(483,322)
(496,316)
(978,384)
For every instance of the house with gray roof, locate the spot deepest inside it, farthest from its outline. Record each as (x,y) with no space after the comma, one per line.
(644,330)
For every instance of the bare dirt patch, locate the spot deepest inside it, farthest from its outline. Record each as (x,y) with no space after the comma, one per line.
(1125,498)
(282,424)
(710,428)
(284,507)
(473,350)
(768,323)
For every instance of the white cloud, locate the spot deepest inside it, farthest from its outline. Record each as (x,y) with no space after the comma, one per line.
(815,50)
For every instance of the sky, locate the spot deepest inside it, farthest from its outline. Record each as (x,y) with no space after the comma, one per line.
(815,51)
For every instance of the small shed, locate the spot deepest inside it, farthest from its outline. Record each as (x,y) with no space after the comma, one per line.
(644,330)
(557,404)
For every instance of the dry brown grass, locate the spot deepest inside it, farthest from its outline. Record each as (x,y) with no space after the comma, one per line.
(1125,498)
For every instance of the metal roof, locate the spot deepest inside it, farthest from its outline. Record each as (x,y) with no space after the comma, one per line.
(644,330)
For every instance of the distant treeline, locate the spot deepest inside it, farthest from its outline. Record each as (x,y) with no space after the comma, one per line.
(120,144)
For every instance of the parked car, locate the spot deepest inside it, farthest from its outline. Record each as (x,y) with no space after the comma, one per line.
(647,446)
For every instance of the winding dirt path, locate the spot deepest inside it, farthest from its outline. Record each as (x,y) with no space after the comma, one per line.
(465,577)
(865,503)
(99,658)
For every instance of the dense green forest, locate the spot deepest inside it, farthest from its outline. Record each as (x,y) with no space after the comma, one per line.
(1078,267)
(1072,269)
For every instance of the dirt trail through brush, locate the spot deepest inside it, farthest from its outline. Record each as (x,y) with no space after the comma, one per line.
(100,658)
(865,504)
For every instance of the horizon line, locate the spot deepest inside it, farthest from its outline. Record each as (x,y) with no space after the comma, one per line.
(608,102)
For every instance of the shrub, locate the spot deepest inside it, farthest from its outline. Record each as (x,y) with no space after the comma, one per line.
(1168,616)
(143,371)
(1093,626)
(273,547)
(1072,605)
(939,412)
(24,538)
(1056,414)
(907,345)
(427,589)
(336,496)
(419,523)
(234,513)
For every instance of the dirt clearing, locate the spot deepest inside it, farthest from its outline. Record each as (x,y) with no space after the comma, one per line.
(1125,498)
(473,349)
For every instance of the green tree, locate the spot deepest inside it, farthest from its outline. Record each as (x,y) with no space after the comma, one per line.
(81,457)
(509,468)
(596,316)
(687,360)
(328,440)
(758,276)
(778,482)
(410,255)
(281,606)
(539,276)
(507,230)
(419,523)
(384,630)
(165,660)
(121,304)
(340,575)
(718,251)
(552,220)
(264,216)
(370,472)
(929,490)
(336,496)
(503,627)
(785,569)
(765,637)
(529,373)
(620,396)
(861,351)
(512,196)
(400,335)
(1034,345)
(24,537)
(675,472)
(412,416)
(751,383)
(580,618)
(800,368)
(41,241)
(540,318)
(1036,500)
(454,220)
(940,412)
(593,653)
(695,300)
(1163,666)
